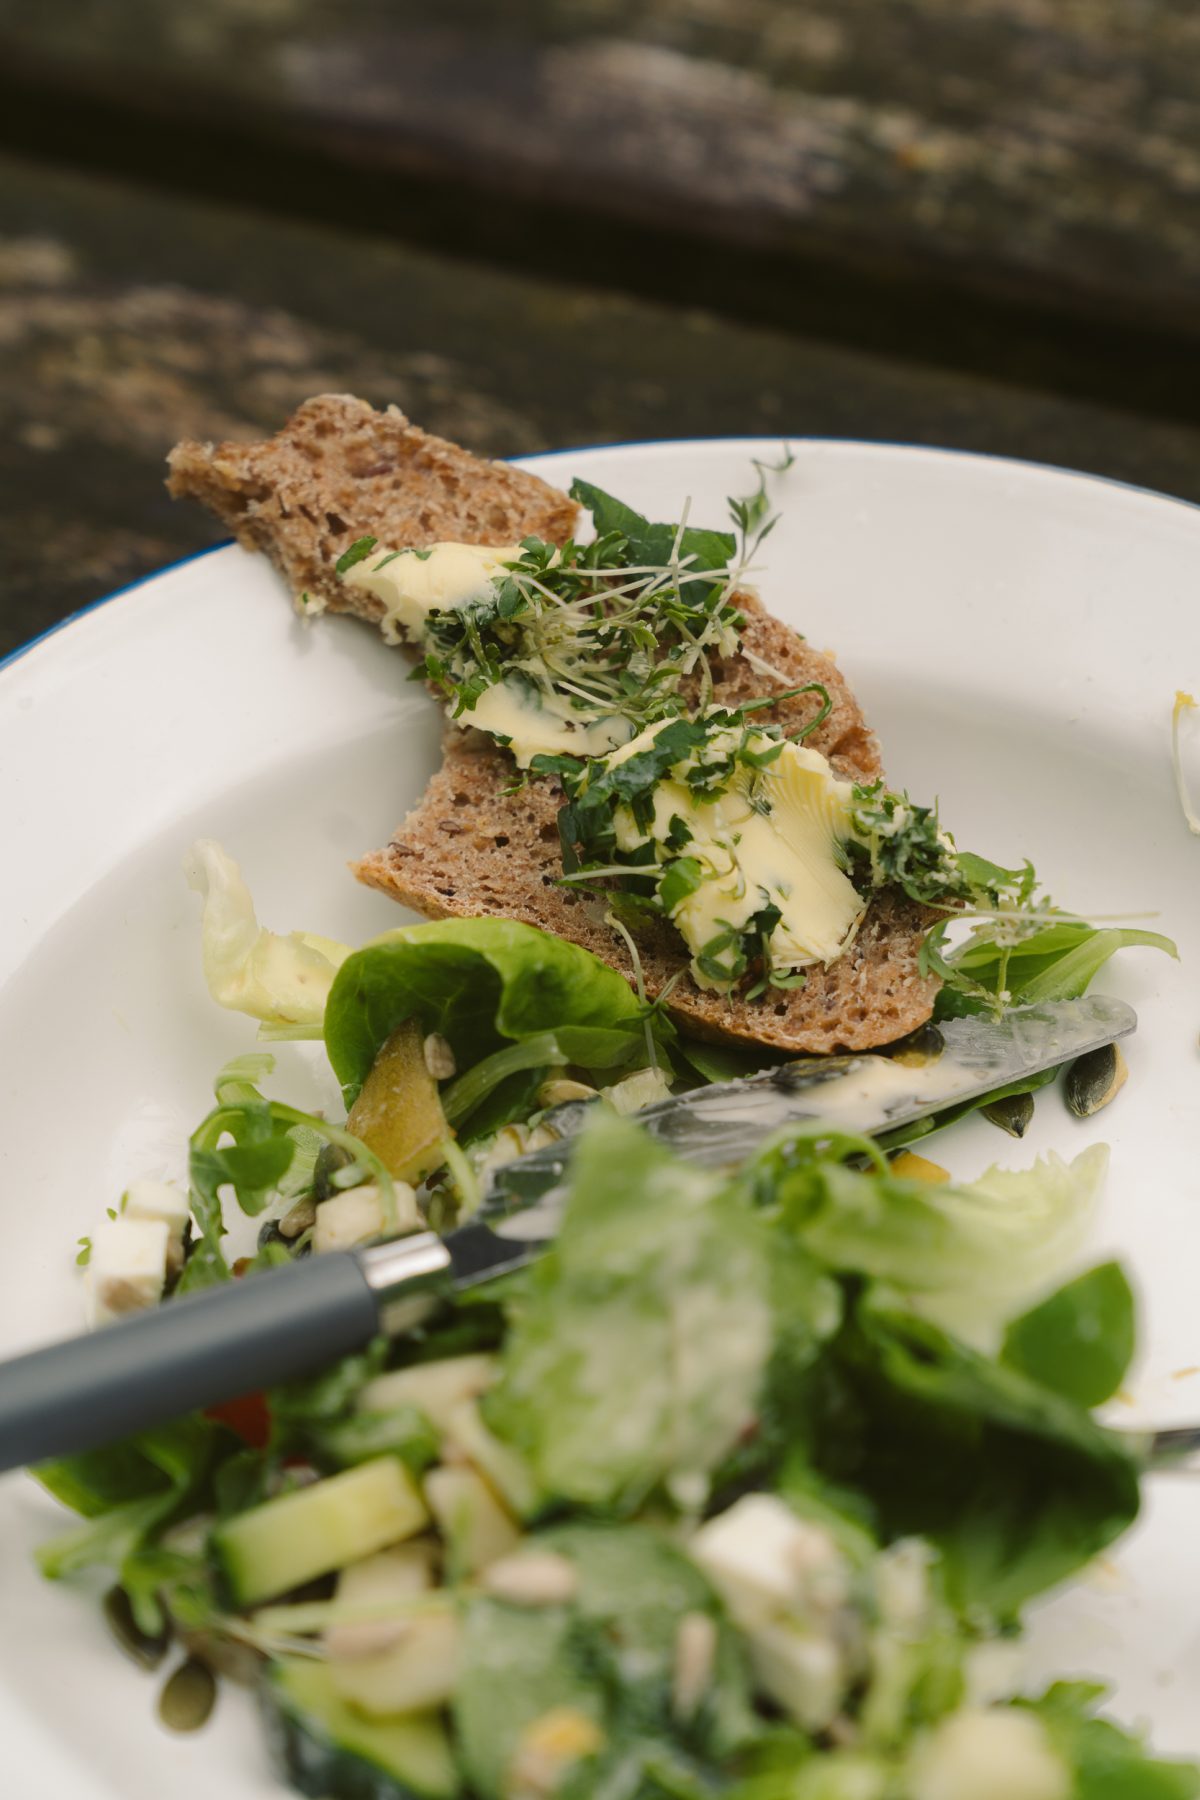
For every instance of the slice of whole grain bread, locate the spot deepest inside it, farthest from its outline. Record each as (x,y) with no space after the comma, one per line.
(338,471)
(471,847)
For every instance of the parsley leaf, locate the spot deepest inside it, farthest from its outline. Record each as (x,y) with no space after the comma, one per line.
(647,543)
(360,548)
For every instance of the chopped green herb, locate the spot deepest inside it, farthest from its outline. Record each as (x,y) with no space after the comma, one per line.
(360,548)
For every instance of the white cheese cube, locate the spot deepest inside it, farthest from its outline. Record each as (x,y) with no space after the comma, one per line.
(434,1388)
(160,1200)
(349,1218)
(989,1755)
(803,1672)
(768,1564)
(127,1267)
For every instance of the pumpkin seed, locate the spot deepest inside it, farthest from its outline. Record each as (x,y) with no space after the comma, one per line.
(1095,1079)
(298,1219)
(1013,1114)
(188,1697)
(145,1648)
(330,1158)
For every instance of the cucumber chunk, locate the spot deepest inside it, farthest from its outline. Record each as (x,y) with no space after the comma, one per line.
(384,1589)
(501,1466)
(475,1528)
(418,1672)
(286,1542)
(323,1747)
(434,1388)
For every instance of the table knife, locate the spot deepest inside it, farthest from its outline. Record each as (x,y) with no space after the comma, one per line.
(206,1348)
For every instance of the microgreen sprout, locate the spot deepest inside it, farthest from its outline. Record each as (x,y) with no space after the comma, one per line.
(622,628)
(623,932)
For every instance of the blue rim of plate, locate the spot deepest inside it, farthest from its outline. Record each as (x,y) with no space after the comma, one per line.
(1017,462)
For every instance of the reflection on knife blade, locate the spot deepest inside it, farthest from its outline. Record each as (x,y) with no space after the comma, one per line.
(724,1123)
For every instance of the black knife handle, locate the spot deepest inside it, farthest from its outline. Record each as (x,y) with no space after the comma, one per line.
(195,1351)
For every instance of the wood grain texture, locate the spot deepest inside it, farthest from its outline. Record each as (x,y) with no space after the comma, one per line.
(1044,148)
(129,320)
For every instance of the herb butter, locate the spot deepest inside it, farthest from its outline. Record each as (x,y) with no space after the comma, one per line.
(535,723)
(523,709)
(769,840)
(413,583)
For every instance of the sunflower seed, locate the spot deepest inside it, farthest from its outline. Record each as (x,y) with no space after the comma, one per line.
(531,1578)
(440,1060)
(559,1089)
(146,1649)
(695,1660)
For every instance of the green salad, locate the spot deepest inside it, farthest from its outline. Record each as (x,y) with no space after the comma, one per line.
(741,1491)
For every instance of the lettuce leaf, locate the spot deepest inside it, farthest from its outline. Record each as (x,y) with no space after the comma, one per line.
(1057,963)
(481,983)
(681,1331)
(1108,1763)
(652,545)
(640,1347)
(1080,1341)
(283,981)
(1015,1483)
(968,1256)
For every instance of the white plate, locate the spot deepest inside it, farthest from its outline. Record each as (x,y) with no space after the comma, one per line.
(1016,635)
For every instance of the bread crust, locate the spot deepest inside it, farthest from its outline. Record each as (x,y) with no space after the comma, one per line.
(472,846)
(339,470)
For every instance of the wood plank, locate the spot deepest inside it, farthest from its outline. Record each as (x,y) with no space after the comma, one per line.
(129,319)
(1036,149)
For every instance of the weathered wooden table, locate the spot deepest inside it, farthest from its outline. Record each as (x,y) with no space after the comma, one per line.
(555,222)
